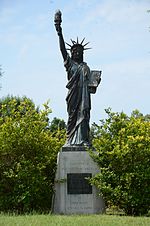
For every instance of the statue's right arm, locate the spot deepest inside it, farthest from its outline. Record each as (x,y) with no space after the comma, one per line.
(61,42)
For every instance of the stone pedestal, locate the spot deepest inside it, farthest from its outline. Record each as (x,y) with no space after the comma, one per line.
(73,193)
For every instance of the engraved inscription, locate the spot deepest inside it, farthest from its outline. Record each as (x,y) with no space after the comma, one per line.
(78,184)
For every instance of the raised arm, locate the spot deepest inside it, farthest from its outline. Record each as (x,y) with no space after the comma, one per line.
(58,21)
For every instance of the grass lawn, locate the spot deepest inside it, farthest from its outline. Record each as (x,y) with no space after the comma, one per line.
(73,220)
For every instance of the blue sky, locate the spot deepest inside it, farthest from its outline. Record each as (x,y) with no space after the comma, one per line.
(119,35)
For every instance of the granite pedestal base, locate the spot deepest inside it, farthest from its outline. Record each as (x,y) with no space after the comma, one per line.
(73,193)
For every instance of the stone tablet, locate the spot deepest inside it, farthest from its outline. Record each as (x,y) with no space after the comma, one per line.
(77,183)
(94,80)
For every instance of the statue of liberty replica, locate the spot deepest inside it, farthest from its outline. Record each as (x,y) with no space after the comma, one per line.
(81,83)
(73,193)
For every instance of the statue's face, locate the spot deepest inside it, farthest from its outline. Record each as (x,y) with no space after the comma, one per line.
(77,54)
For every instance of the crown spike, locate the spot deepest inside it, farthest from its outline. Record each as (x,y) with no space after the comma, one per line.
(82,41)
(73,42)
(77,41)
(86,43)
(87,48)
(68,44)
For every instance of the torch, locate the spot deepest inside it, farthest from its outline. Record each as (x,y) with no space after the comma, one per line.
(57,21)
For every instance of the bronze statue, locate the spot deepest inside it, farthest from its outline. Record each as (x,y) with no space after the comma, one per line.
(81,83)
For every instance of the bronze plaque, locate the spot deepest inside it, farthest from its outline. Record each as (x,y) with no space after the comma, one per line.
(78,184)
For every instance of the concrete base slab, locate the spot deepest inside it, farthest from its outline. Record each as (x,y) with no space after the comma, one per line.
(74,195)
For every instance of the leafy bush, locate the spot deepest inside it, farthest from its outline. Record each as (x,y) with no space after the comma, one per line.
(123,147)
(0,74)
(57,124)
(28,156)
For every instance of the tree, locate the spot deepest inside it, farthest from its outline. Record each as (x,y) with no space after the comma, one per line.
(28,153)
(57,124)
(16,106)
(1,72)
(123,147)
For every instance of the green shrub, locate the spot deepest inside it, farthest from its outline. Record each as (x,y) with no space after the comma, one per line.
(28,156)
(123,147)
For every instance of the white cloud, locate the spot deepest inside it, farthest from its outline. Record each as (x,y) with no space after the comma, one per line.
(116,11)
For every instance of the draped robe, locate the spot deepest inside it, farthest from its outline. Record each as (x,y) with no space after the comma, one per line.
(78,102)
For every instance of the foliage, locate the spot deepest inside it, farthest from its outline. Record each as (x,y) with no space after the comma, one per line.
(10,106)
(57,124)
(123,147)
(1,72)
(28,153)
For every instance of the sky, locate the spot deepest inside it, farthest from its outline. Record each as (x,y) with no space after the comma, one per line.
(118,32)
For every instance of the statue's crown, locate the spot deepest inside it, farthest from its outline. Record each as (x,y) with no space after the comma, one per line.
(77,44)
